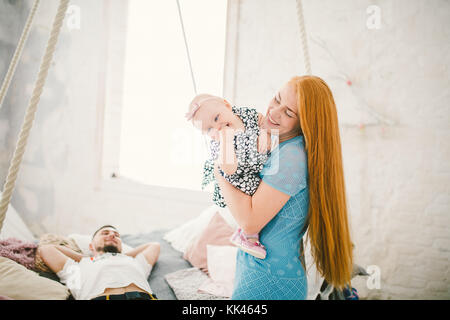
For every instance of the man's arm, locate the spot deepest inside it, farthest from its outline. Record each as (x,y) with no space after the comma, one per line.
(149,250)
(55,257)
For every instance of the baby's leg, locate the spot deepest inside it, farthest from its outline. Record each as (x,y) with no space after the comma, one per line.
(253,238)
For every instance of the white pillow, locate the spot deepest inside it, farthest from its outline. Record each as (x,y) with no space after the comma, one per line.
(222,268)
(14,227)
(181,237)
(83,241)
(315,280)
(228,217)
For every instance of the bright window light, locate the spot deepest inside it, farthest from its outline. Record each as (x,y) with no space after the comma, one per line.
(157,145)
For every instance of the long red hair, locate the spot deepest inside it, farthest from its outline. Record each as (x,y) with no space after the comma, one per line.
(328,232)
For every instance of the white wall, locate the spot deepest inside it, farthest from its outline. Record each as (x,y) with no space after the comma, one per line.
(397,176)
(60,187)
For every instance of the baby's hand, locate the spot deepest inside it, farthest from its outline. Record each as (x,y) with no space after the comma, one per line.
(264,141)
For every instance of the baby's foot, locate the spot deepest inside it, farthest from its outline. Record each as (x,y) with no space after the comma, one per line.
(250,245)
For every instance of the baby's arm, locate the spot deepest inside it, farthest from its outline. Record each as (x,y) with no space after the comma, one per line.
(227,155)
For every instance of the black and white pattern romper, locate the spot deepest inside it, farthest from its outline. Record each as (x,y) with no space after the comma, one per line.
(250,161)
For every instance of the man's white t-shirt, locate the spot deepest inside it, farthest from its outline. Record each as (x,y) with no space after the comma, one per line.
(90,277)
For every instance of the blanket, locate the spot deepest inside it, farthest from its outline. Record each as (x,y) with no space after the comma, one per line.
(19,251)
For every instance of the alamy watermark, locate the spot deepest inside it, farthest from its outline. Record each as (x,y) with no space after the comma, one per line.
(73,17)
(374,19)
(374,279)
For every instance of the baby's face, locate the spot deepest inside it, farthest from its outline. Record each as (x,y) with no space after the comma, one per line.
(212,116)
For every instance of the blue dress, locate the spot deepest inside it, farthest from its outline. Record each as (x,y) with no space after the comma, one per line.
(280,276)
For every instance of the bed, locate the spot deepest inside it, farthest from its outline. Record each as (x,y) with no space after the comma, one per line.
(170,260)
(186,269)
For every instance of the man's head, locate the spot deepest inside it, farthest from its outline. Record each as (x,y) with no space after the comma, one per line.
(106,239)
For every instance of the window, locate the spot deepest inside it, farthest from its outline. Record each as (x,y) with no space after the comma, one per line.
(157,145)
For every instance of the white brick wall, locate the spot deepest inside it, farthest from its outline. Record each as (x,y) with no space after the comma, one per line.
(397,177)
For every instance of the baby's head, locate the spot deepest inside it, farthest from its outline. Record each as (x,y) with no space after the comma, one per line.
(210,114)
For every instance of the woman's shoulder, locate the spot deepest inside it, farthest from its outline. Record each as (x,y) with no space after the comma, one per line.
(287,168)
(293,148)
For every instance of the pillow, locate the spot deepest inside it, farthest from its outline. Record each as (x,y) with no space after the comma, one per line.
(314,277)
(221,262)
(14,227)
(83,240)
(183,236)
(217,232)
(228,217)
(19,251)
(185,284)
(19,283)
(50,238)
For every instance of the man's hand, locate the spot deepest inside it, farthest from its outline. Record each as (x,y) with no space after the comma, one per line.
(150,251)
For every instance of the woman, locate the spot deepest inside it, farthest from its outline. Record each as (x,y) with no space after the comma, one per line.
(302,186)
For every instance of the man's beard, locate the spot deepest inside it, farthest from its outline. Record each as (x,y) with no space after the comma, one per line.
(109,248)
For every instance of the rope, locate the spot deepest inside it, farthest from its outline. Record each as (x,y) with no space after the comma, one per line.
(18,52)
(189,58)
(31,110)
(301,23)
(187,47)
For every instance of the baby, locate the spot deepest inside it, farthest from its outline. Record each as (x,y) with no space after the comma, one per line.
(239,151)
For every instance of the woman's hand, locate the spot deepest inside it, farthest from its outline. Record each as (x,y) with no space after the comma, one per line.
(264,141)
(227,155)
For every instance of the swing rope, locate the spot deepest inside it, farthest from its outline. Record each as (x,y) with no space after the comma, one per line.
(18,52)
(42,75)
(187,47)
(31,110)
(301,23)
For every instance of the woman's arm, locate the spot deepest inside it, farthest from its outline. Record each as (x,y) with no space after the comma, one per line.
(252,213)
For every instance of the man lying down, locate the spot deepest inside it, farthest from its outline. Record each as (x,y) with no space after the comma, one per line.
(107,274)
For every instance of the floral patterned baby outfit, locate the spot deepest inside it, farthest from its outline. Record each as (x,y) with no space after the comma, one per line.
(250,161)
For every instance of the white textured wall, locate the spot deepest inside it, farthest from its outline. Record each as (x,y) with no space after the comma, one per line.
(60,187)
(397,176)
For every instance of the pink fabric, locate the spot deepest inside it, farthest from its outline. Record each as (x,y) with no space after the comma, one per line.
(5,298)
(218,232)
(19,251)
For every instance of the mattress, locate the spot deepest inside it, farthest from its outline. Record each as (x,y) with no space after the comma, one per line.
(169,261)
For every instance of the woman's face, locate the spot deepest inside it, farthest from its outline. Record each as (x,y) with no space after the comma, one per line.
(282,114)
